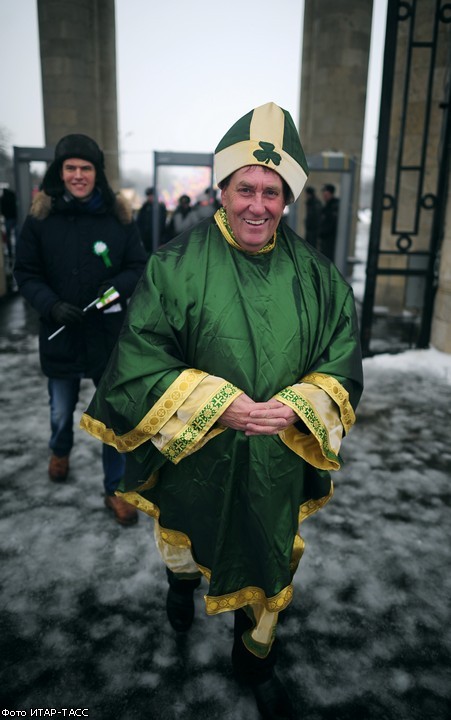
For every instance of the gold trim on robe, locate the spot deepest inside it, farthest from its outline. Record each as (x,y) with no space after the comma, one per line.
(322,403)
(153,421)
(338,394)
(244,596)
(180,422)
(194,423)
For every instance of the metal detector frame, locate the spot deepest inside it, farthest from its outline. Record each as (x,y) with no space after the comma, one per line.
(175,158)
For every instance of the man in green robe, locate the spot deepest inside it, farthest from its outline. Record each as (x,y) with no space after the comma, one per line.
(234,380)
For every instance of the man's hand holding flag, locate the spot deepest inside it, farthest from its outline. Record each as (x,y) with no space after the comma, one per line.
(107,298)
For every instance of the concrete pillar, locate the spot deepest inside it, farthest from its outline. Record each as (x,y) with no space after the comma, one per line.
(336,45)
(78,64)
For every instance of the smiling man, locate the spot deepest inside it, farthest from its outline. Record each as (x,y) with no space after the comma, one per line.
(78,240)
(230,389)
(79,177)
(254,202)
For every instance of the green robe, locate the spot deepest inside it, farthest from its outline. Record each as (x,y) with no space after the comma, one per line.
(206,322)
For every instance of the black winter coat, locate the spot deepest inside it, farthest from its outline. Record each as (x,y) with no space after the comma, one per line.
(55,260)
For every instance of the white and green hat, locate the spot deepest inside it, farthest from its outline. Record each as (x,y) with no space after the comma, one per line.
(264,136)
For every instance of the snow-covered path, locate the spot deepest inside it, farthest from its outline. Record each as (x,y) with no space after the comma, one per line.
(368,635)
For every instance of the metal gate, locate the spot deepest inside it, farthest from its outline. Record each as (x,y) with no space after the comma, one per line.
(410,185)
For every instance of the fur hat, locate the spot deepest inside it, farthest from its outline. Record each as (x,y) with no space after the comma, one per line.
(265,136)
(80,146)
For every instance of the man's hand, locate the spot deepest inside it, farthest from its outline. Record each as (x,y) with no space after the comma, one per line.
(269,418)
(64,313)
(104,287)
(258,418)
(237,415)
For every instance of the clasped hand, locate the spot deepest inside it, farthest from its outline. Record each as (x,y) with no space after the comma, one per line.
(258,418)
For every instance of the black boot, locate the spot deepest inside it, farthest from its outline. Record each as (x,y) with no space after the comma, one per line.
(259,675)
(272,699)
(180,601)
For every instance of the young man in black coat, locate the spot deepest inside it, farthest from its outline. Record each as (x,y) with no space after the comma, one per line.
(78,241)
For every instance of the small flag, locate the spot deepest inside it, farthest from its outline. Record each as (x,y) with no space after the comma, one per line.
(107,298)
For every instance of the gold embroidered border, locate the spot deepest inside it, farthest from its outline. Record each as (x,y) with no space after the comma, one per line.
(232,601)
(308,508)
(308,448)
(153,421)
(223,224)
(337,393)
(183,443)
(246,596)
(312,506)
(134,498)
(297,553)
(175,538)
(302,407)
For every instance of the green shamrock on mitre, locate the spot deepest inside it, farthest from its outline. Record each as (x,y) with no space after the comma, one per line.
(101,249)
(267,153)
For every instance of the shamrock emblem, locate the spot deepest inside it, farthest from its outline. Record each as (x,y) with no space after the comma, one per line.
(267,153)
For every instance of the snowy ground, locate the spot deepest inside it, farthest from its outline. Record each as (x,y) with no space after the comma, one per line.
(368,635)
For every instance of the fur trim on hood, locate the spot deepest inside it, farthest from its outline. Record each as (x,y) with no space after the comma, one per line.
(42,205)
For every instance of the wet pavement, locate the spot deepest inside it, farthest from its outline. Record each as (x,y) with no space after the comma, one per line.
(82,618)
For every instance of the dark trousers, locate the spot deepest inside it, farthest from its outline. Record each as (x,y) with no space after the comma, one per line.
(63,397)
(247,666)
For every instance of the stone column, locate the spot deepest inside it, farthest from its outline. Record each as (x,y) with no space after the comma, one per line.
(78,64)
(336,45)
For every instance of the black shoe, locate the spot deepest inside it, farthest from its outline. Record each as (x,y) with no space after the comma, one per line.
(272,699)
(180,602)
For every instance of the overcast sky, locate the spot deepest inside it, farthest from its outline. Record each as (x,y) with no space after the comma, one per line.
(181,84)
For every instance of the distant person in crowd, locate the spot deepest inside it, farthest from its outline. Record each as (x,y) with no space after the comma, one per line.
(8,208)
(78,241)
(182,219)
(145,221)
(328,221)
(312,216)
(232,385)
(206,205)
